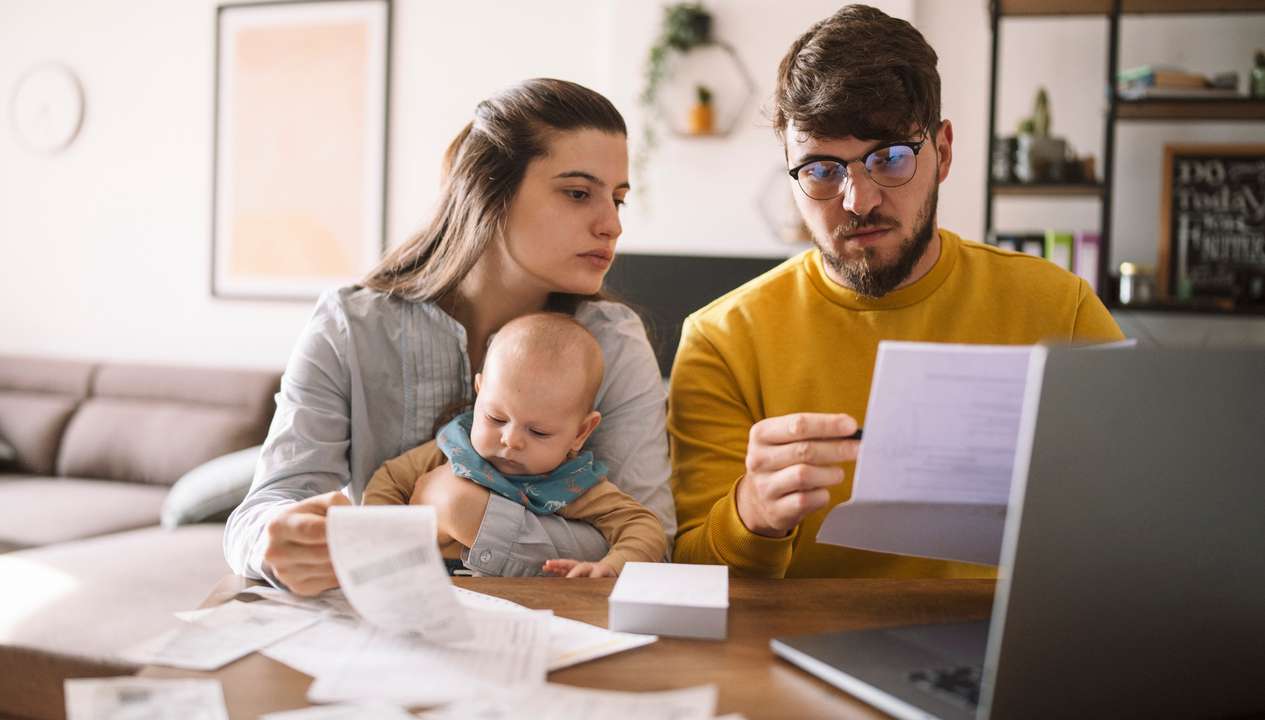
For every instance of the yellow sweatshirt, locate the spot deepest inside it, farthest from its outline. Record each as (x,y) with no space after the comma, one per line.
(794,341)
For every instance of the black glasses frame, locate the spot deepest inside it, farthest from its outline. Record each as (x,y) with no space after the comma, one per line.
(913,146)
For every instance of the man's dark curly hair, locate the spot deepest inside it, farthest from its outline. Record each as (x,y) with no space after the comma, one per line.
(858,73)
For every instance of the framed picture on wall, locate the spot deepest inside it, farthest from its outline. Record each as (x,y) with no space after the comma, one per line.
(299,191)
(1212,224)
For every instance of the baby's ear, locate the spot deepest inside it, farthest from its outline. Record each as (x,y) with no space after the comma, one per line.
(586,429)
(478,381)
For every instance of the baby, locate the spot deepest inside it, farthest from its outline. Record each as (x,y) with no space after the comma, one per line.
(533,410)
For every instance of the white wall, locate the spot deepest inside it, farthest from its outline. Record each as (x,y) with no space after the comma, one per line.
(105,248)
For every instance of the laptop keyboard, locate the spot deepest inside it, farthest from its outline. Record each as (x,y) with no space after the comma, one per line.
(958,685)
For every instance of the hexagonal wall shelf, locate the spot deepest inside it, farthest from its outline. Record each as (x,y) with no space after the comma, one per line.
(717,67)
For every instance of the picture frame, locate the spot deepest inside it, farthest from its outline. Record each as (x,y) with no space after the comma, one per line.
(1212,224)
(300,146)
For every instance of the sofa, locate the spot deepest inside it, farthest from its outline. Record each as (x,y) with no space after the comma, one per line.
(115,479)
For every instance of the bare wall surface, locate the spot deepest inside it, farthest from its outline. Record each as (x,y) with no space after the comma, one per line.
(105,247)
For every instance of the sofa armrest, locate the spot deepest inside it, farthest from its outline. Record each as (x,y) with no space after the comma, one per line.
(210,491)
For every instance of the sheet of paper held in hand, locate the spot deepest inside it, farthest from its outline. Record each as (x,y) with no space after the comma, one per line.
(389,567)
(933,475)
(149,698)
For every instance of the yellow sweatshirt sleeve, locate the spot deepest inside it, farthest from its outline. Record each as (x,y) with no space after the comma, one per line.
(393,483)
(709,421)
(632,531)
(1093,321)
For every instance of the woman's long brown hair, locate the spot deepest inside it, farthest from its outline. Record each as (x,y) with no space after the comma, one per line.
(483,168)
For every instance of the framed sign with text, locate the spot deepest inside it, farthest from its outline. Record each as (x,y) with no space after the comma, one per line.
(1212,223)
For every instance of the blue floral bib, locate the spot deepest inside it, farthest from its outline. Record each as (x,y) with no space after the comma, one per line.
(542,494)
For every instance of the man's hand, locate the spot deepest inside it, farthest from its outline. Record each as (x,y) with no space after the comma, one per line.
(297,552)
(575,568)
(792,460)
(459,504)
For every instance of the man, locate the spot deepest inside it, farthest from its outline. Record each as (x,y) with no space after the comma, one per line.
(772,378)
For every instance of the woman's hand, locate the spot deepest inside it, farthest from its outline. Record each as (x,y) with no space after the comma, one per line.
(459,504)
(575,568)
(297,552)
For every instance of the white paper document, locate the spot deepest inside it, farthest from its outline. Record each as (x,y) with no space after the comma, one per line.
(563,702)
(571,642)
(388,564)
(933,475)
(330,601)
(343,712)
(508,649)
(321,649)
(130,698)
(226,633)
(942,423)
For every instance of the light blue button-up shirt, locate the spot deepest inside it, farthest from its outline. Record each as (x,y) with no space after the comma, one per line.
(369,377)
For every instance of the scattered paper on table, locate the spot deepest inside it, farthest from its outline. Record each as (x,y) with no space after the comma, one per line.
(127,698)
(343,712)
(388,565)
(572,642)
(321,649)
(228,632)
(563,702)
(330,601)
(508,649)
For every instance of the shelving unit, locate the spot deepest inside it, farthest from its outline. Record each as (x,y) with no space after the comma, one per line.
(1118,109)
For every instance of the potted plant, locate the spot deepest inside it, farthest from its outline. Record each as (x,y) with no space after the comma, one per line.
(702,119)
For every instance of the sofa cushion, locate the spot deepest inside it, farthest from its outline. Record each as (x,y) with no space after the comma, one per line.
(75,605)
(153,424)
(211,490)
(37,397)
(8,456)
(37,511)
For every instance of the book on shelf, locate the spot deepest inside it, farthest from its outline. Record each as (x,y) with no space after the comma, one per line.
(1178,93)
(1160,76)
(1058,248)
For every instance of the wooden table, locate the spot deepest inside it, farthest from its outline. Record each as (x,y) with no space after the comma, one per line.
(751,679)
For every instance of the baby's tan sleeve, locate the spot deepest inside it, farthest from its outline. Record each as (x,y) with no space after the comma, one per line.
(632,531)
(393,483)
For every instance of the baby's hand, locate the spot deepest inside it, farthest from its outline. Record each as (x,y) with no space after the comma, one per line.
(575,568)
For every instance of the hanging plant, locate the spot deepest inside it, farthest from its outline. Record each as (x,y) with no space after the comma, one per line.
(685,27)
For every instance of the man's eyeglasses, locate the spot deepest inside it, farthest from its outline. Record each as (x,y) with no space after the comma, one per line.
(890,165)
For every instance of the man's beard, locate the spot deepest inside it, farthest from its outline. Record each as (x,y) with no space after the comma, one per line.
(867,275)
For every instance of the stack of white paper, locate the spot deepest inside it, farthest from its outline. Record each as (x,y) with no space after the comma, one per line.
(671,599)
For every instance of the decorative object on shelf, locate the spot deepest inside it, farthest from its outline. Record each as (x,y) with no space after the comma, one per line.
(671,90)
(1212,223)
(1038,156)
(702,119)
(1137,284)
(300,146)
(1258,75)
(47,108)
(776,205)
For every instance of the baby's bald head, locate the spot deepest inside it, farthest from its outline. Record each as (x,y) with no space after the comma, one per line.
(555,348)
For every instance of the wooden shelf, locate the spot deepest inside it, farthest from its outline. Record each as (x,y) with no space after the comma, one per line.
(1048,189)
(1191,109)
(1037,8)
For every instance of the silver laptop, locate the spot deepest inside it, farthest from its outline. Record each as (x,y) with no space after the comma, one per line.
(1132,575)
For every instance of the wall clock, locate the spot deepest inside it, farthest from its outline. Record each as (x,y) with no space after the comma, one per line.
(47,108)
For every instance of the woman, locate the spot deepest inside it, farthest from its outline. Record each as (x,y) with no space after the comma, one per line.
(527,220)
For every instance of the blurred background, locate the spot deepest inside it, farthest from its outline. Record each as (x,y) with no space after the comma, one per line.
(105,242)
